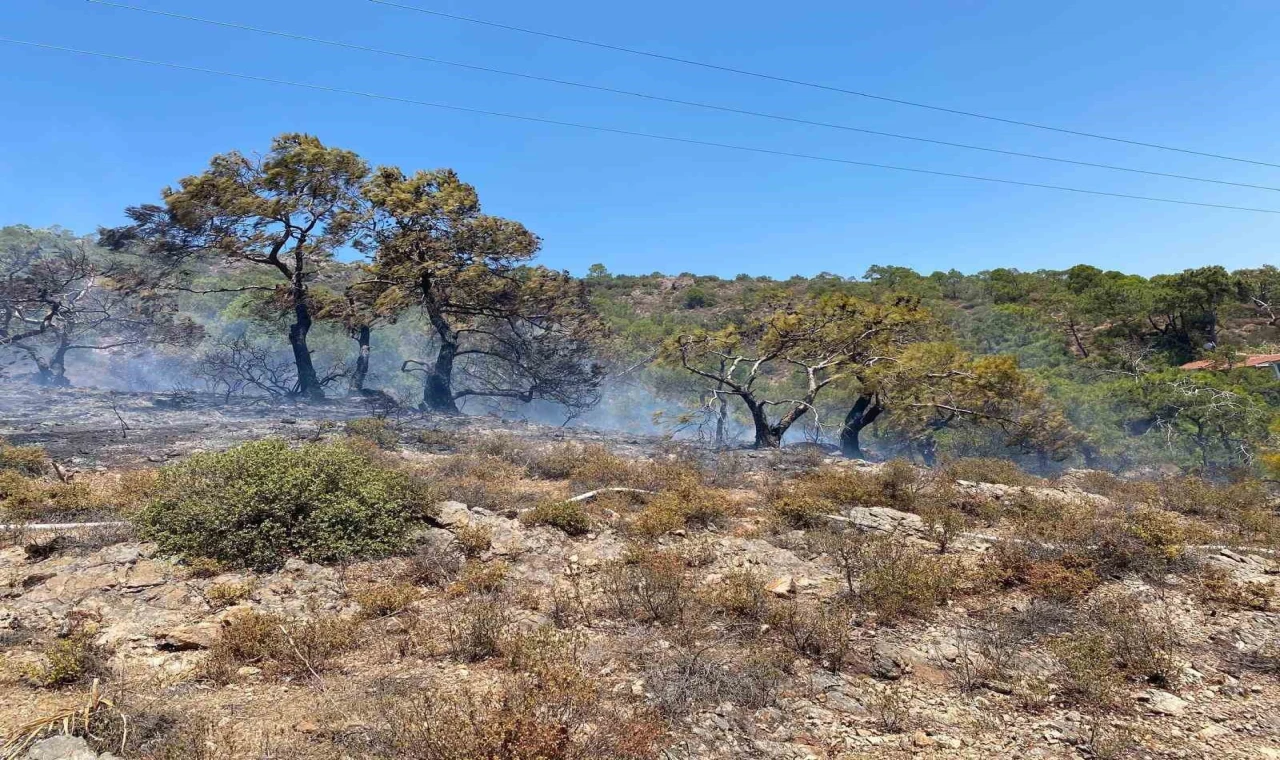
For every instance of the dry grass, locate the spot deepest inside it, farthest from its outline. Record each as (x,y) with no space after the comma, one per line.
(281,647)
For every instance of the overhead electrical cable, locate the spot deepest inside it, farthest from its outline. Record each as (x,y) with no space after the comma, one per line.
(626,132)
(676,101)
(815,85)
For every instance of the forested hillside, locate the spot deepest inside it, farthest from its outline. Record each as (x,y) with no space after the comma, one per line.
(305,273)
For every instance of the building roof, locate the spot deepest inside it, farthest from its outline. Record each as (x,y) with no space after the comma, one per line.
(1245,360)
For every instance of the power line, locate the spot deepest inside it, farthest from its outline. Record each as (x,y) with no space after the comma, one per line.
(815,85)
(629,133)
(677,101)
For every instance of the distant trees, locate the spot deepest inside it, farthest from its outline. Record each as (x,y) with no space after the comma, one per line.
(61,294)
(286,213)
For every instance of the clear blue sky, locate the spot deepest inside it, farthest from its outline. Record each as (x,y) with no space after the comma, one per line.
(82,138)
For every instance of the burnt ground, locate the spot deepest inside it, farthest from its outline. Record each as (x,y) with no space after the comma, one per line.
(86,428)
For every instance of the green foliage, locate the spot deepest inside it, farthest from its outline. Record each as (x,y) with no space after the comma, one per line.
(260,503)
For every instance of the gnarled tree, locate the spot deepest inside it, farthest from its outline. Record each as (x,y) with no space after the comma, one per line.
(934,386)
(286,212)
(788,357)
(503,329)
(61,294)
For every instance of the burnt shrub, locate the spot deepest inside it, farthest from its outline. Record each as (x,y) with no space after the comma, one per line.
(257,504)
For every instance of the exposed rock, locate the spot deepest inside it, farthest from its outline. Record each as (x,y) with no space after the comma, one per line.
(1164,703)
(453,514)
(781,586)
(64,748)
(885,520)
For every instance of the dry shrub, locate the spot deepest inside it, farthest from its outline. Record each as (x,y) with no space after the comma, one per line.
(1149,542)
(284,648)
(556,712)
(203,567)
(1199,497)
(891,579)
(686,505)
(943,523)
(586,466)
(375,430)
(1116,640)
(799,511)
(27,498)
(890,706)
(1113,487)
(1064,580)
(989,470)
(681,679)
(741,595)
(483,481)
(1087,676)
(228,593)
(68,661)
(24,460)
(1215,585)
(1052,574)
(503,446)
(434,563)
(475,630)
(821,632)
(568,516)
(438,438)
(473,539)
(386,599)
(804,502)
(648,585)
(481,578)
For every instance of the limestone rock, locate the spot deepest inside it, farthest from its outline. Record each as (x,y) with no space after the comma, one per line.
(781,586)
(61,748)
(1164,703)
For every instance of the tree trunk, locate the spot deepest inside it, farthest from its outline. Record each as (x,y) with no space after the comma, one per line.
(437,394)
(52,372)
(767,436)
(308,381)
(362,337)
(928,450)
(722,418)
(864,412)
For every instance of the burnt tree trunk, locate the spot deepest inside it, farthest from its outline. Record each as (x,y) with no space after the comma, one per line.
(767,436)
(437,394)
(362,337)
(308,381)
(864,412)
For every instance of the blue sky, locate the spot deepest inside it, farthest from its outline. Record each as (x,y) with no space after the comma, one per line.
(82,138)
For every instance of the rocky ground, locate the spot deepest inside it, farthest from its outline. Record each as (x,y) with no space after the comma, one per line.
(905,688)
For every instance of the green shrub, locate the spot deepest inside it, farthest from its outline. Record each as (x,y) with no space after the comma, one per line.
(257,504)
(568,516)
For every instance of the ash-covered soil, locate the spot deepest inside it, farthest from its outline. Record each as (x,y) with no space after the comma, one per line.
(86,428)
